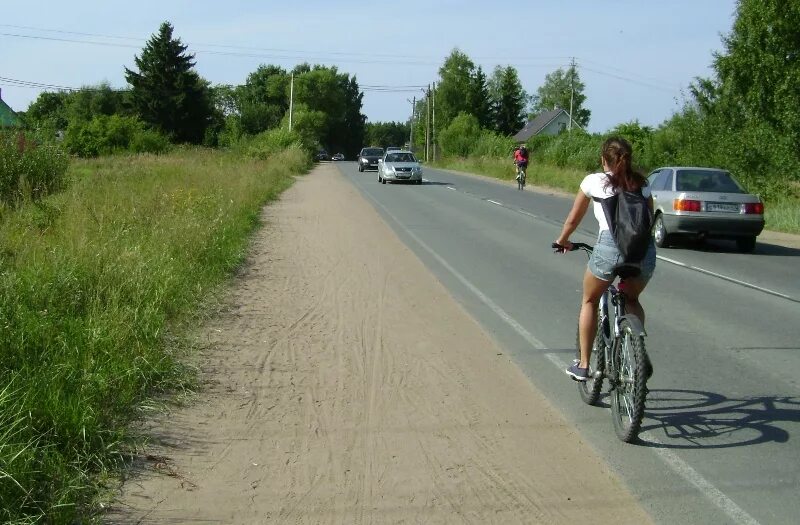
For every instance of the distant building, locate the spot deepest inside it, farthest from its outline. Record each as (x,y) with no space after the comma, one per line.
(547,123)
(8,119)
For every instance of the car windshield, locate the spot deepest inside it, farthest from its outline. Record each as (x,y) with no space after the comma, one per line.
(372,152)
(400,157)
(706,180)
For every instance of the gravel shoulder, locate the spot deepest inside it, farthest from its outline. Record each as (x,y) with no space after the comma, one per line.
(345,385)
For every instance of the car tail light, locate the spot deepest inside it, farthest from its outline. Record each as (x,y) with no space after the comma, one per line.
(686,205)
(754,208)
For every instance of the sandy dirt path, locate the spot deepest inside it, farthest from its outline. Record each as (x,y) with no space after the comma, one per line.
(345,385)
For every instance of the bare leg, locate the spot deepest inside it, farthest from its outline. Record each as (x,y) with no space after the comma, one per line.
(632,289)
(593,289)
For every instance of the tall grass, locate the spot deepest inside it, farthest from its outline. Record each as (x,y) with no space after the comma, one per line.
(27,171)
(93,281)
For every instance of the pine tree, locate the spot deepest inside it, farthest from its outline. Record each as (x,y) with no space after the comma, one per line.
(509,100)
(479,101)
(166,91)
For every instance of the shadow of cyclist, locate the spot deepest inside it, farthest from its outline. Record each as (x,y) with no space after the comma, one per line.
(693,419)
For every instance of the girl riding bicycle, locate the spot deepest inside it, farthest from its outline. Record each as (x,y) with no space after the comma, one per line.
(617,175)
(521,158)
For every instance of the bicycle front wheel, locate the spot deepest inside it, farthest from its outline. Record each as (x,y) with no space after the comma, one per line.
(630,389)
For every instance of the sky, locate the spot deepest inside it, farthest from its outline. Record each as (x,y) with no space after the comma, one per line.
(636,57)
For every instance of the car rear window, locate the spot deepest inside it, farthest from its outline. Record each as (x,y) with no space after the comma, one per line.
(373,152)
(400,157)
(704,180)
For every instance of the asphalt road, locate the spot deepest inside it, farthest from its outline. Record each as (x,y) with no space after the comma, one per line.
(721,440)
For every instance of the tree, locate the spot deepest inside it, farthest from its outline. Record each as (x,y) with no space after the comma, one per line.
(509,100)
(263,99)
(479,100)
(454,86)
(48,110)
(338,97)
(385,134)
(759,73)
(561,88)
(166,91)
(93,101)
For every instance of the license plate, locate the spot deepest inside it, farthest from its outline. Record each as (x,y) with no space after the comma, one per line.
(722,206)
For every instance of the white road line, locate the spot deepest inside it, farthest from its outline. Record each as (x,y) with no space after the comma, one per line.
(673,261)
(450,188)
(529,214)
(494,202)
(725,277)
(684,470)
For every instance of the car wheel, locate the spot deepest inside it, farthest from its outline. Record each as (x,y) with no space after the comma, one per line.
(746,244)
(383,181)
(660,234)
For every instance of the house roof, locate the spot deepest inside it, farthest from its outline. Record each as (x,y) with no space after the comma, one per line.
(7,116)
(537,124)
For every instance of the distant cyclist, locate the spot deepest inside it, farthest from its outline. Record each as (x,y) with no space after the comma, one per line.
(521,158)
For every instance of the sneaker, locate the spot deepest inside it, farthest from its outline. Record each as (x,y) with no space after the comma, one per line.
(577,373)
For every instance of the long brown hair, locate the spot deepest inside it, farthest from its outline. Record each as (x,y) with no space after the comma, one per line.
(617,153)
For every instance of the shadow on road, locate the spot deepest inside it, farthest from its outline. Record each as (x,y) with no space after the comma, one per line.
(693,419)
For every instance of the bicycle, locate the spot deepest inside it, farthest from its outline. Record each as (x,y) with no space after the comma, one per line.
(521,176)
(619,355)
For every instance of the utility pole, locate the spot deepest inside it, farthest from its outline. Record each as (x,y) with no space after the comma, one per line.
(571,91)
(428,124)
(433,124)
(411,126)
(291,101)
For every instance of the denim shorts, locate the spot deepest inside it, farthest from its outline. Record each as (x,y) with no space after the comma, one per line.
(606,257)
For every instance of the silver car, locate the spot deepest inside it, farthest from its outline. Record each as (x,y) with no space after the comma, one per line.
(704,202)
(398,166)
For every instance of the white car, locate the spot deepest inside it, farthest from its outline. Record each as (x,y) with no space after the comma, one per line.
(398,166)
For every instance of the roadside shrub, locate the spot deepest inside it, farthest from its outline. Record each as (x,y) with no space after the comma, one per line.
(149,141)
(269,143)
(491,144)
(28,170)
(106,134)
(461,136)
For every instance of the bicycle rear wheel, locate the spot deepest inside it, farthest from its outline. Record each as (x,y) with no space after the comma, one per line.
(630,389)
(590,389)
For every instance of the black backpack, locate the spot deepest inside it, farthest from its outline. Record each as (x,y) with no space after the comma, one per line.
(630,221)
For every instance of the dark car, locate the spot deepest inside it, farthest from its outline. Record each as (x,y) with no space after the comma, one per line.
(322,155)
(368,158)
(338,156)
(704,202)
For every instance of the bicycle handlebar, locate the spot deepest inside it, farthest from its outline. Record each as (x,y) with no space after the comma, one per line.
(575,246)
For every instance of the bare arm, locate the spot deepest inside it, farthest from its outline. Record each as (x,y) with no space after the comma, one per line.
(576,214)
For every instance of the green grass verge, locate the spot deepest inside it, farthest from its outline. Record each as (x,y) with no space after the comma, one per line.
(95,283)
(780,216)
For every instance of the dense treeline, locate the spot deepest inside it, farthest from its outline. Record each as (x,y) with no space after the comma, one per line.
(168,103)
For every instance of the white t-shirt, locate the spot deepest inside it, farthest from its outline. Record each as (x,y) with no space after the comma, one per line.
(593,186)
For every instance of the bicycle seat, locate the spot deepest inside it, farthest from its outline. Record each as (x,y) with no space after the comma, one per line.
(628,270)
